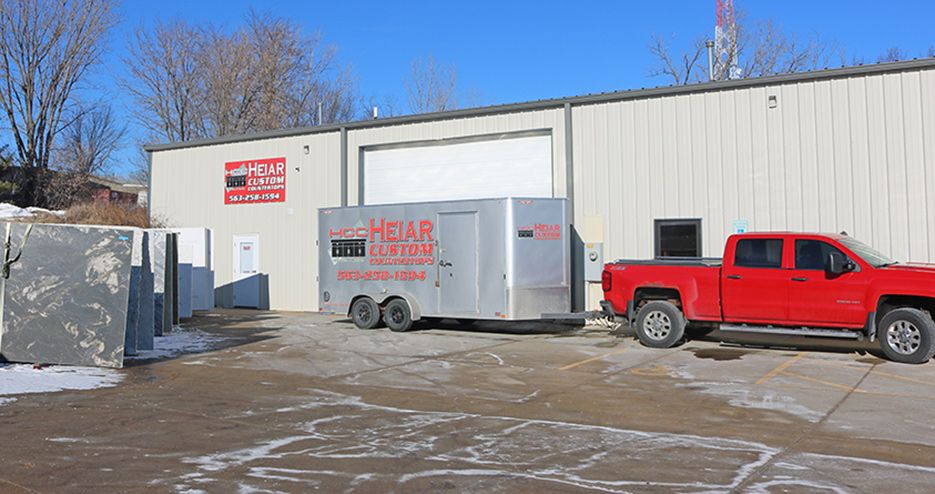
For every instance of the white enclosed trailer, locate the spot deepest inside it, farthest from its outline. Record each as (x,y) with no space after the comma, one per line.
(488,259)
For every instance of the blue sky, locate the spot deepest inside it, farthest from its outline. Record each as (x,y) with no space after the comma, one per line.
(515,51)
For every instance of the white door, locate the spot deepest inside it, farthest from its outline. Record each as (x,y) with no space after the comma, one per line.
(247,270)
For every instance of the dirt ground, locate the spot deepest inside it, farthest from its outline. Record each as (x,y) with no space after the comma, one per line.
(293,402)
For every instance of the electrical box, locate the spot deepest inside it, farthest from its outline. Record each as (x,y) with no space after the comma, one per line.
(593,261)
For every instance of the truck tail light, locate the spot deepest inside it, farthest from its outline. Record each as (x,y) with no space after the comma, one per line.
(605,281)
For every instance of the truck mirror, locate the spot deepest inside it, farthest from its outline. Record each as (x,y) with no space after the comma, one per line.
(838,264)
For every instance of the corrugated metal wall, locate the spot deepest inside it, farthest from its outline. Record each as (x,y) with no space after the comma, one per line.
(854,154)
(188,191)
(846,150)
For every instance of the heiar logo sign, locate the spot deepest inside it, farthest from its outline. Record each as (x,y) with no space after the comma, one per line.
(254,181)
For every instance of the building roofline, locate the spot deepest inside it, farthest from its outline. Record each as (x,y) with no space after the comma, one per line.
(643,93)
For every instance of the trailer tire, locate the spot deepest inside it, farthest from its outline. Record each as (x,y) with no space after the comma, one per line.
(660,325)
(397,315)
(365,313)
(907,335)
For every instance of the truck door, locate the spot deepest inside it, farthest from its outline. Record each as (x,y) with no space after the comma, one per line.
(754,288)
(457,263)
(820,298)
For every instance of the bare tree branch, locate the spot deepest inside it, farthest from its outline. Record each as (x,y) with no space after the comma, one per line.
(46,50)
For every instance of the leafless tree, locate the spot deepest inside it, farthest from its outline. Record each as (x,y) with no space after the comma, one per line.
(386,107)
(163,78)
(931,52)
(756,48)
(89,142)
(46,51)
(431,85)
(893,54)
(679,68)
(191,82)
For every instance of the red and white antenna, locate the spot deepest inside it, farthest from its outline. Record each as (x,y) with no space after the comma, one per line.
(725,41)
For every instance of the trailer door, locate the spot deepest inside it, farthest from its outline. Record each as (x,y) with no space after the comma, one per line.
(457,263)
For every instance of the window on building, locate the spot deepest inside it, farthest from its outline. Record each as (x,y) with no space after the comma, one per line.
(678,238)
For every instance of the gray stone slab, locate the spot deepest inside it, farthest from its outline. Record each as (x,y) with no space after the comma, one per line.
(160,238)
(145,329)
(66,299)
(171,314)
(185,267)
(133,304)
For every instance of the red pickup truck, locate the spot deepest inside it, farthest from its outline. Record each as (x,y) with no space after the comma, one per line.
(783,283)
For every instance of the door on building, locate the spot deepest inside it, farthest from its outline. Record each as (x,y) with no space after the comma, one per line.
(247,270)
(457,263)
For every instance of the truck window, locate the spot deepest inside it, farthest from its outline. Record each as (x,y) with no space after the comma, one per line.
(813,254)
(758,253)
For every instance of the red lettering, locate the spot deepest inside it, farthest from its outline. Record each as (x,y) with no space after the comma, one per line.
(334,233)
(425,230)
(347,233)
(410,232)
(427,250)
(392,231)
(374,230)
(361,232)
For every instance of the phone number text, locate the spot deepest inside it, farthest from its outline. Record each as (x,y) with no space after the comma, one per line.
(381,275)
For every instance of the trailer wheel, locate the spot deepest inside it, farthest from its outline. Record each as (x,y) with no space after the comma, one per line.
(908,336)
(397,315)
(660,325)
(365,313)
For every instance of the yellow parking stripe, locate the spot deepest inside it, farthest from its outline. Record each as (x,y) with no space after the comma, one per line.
(591,359)
(894,376)
(781,368)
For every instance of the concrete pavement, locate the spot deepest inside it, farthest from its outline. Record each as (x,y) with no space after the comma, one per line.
(292,402)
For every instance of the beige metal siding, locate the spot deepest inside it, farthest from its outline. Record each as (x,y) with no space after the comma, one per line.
(854,154)
(188,191)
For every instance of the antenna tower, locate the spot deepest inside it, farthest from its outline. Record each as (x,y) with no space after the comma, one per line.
(725,42)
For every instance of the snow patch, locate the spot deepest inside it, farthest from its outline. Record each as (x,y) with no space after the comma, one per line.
(179,342)
(23,379)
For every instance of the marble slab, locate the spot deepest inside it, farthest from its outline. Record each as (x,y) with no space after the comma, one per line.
(133,304)
(66,300)
(160,238)
(146,329)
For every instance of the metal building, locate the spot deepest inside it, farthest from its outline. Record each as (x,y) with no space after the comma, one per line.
(654,172)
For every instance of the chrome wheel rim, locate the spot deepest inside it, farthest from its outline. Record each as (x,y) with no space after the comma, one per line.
(903,337)
(657,325)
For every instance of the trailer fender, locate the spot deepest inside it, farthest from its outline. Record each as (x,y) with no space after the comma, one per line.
(383,298)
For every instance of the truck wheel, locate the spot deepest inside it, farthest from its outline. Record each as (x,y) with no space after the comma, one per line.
(397,315)
(907,336)
(365,313)
(660,325)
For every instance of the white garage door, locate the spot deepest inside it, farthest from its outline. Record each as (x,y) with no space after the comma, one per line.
(516,166)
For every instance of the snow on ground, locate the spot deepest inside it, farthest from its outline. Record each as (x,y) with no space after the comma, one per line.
(16,379)
(11,212)
(179,342)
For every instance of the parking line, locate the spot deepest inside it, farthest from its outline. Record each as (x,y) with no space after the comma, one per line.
(894,376)
(591,359)
(781,368)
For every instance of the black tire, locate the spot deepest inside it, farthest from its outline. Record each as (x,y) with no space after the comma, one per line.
(907,335)
(397,315)
(365,313)
(660,325)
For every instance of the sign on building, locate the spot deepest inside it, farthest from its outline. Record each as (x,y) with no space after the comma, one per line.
(254,181)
